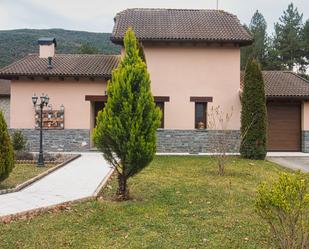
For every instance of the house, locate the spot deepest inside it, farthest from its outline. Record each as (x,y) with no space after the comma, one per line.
(193,57)
(5,92)
(70,81)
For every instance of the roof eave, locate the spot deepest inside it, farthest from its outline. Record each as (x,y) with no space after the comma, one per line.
(119,40)
(12,76)
(290,97)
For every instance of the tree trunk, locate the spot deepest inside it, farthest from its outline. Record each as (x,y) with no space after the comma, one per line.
(123,191)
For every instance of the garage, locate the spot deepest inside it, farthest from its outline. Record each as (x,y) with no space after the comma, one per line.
(284,126)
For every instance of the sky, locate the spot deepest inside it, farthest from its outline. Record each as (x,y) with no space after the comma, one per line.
(97,15)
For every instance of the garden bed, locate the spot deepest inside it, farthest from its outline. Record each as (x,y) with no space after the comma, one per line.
(177,202)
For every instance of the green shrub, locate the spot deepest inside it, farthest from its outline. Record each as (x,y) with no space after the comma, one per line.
(19,141)
(126,128)
(253,114)
(6,150)
(285,207)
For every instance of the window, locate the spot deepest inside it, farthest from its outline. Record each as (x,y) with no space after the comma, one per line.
(161,106)
(200,111)
(200,115)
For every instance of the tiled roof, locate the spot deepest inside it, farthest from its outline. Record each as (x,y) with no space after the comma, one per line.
(5,88)
(180,25)
(283,84)
(65,65)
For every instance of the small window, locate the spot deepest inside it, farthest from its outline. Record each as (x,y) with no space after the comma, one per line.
(161,106)
(200,115)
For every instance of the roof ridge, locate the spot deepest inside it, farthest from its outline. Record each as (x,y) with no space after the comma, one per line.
(176,9)
(180,9)
(297,75)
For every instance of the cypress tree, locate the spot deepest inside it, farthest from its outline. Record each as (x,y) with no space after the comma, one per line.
(6,150)
(253,114)
(126,128)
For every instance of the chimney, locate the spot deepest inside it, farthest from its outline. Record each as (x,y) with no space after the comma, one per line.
(47,47)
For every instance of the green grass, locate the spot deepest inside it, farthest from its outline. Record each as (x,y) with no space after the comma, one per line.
(178,202)
(22,173)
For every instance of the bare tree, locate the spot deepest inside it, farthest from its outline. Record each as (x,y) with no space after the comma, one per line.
(218,120)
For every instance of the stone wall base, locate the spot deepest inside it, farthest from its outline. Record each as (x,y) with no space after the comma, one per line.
(168,141)
(197,141)
(58,140)
(305,141)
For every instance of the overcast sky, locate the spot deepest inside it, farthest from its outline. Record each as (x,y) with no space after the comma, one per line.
(97,15)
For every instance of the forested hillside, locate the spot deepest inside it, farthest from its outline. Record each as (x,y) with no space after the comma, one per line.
(15,44)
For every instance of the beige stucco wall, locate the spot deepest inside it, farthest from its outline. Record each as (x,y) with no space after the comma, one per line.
(305,116)
(183,71)
(47,50)
(5,108)
(70,93)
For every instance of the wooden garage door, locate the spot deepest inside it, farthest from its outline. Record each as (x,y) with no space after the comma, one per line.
(284,126)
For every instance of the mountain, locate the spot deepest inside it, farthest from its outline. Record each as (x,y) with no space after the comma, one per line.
(15,44)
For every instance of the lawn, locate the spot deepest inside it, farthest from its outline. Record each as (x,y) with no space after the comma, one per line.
(22,173)
(178,202)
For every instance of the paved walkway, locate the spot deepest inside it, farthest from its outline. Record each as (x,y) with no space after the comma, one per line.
(292,162)
(78,179)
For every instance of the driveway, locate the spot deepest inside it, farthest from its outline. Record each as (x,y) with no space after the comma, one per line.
(77,180)
(292,162)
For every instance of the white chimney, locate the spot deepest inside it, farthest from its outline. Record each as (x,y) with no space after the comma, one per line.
(47,47)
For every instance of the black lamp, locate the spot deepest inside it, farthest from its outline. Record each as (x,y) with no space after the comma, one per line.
(44,99)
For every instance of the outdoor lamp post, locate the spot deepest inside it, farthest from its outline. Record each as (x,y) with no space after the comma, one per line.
(44,99)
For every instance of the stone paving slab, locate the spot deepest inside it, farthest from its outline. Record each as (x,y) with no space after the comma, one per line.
(77,180)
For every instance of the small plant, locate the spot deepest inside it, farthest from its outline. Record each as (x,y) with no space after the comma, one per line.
(6,150)
(285,207)
(19,141)
(218,121)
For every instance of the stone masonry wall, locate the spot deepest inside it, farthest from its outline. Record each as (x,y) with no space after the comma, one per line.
(197,141)
(305,141)
(58,140)
(168,141)
(5,108)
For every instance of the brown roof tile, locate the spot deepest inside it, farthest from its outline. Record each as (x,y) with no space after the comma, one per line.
(283,84)
(65,65)
(5,88)
(180,25)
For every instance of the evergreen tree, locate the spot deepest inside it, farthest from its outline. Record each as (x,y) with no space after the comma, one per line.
(6,150)
(87,48)
(258,50)
(305,38)
(288,41)
(272,61)
(253,114)
(126,128)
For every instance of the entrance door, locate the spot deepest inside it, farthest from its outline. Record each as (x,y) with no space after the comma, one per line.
(284,126)
(98,106)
